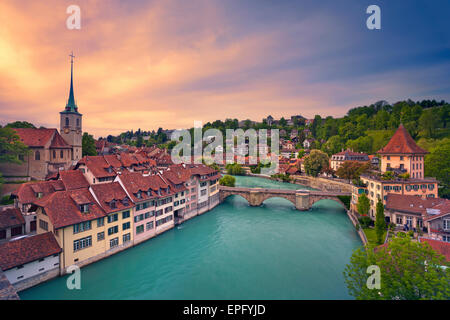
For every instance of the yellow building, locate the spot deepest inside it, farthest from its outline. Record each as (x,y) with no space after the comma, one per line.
(401,156)
(88,227)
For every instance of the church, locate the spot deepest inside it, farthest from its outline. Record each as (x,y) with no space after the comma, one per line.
(50,150)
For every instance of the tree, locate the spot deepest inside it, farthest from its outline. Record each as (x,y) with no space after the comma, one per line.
(20,124)
(429,121)
(228,181)
(316,162)
(334,145)
(11,148)
(139,141)
(88,145)
(352,169)
(409,270)
(380,223)
(363,205)
(235,169)
(437,164)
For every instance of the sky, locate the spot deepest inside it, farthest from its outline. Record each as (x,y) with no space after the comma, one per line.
(151,64)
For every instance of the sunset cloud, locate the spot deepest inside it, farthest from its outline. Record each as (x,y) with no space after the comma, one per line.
(150,64)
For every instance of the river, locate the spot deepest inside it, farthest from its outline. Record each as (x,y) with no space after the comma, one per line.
(231,252)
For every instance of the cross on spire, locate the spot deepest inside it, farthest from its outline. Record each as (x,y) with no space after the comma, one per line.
(71,57)
(71,105)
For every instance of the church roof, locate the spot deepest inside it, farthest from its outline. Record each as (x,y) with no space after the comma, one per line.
(71,106)
(402,143)
(58,142)
(33,137)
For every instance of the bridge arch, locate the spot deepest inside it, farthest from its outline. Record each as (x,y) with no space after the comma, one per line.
(313,200)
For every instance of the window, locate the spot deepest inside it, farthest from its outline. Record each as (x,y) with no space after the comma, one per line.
(37,155)
(446,238)
(61,154)
(43,225)
(399,220)
(2,234)
(84,208)
(168,209)
(82,226)
(114,242)
(203,192)
(446,224)
(54,154)
(78,122)
(100,222)
(67,121)
(409,221)
(159,212)
(113,218)
(149,225)
(126,226)
(16,231)
(82,243)
(100,236)
(140,229)
(126,214)
(126,238)
(113,230)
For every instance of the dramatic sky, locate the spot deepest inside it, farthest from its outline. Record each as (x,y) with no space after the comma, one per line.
(150,64)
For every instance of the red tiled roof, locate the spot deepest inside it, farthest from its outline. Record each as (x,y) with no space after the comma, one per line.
(58,142)
(73,179)
(440,246)
(11,217)
(26,193)
(97,165)
(18,252)
(412,204)
(107,192)
(112,160)
(35,137)
(135,181)
(62,209)
(402,143)
(441,209)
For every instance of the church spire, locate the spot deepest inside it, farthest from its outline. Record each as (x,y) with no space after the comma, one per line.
(71,106)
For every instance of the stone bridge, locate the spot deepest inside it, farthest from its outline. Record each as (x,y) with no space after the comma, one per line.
(302,199)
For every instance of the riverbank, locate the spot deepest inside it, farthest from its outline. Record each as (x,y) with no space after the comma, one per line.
(219,255)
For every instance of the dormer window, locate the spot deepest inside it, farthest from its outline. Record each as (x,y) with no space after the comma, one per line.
(39,195)
(112,204)
(149,193)
(84,208)
(109,169)
(125,201)
(138,195)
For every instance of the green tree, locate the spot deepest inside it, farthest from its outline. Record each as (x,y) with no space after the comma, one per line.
(88,145)
(363,205)
(235,169)
(380,223)
(334,145)
(11,148)
(227,180)
(409,270)
(139,141)
(20,124)
(316,162)
(437,164)
(352,169)
(429,121)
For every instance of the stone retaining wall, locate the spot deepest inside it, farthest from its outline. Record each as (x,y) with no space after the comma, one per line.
(40,278)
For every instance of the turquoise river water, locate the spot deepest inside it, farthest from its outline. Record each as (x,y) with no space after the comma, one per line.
(231,252)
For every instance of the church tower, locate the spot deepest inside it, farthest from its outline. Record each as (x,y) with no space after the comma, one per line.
(70,121)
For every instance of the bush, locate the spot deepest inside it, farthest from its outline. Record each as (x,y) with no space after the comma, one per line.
(365,222)
(392,226)
(228,181)
(401,234)
(6,200)
(410,234)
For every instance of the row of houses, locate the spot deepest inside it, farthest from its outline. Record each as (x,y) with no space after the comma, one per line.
(91,218)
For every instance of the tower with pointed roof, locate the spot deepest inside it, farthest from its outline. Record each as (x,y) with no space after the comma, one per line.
(71,121)
(404,154)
